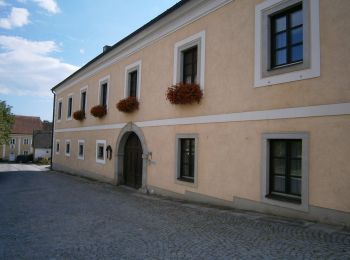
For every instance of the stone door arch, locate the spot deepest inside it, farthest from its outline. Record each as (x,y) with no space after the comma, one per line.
(120,148)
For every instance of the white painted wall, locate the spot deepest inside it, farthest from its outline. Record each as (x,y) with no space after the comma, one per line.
(43,153)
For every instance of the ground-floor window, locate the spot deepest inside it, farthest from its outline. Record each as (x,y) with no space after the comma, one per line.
(25,152)
(100,151)
(186,157)
(285,170)
(67,147)
(57,146)
(81,146)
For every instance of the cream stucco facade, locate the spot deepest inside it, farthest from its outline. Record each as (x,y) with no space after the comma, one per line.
(231,119)
(19,144)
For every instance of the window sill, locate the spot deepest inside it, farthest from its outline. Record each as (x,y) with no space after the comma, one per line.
(100,161)
(190,180)
(285,66)
(286,198)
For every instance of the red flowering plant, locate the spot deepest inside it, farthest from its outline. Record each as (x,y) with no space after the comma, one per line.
(128,105)
(98,111)
(79,115)
(184,93)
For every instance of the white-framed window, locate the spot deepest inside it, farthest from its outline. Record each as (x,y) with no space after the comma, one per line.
(25,152)
(81,149)
(101,151)
(186,159)
(189,60)
(59,109)
(83,98)
(13,141)
(132,82)
(25,141)
(57,146)
(68,148)
(103,91)
(285,159)
(287,41)
(69,106)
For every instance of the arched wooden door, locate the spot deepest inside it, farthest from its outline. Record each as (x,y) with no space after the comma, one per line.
(133,162)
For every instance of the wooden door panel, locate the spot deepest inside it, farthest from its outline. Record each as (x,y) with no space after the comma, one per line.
(133,162)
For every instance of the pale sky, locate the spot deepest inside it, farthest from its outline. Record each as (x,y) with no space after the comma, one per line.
(44,41)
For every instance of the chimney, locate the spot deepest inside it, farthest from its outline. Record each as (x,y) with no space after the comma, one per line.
(106,48)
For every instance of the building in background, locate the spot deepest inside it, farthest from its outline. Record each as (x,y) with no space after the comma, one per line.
(21,137)
(271,133)
(42,144)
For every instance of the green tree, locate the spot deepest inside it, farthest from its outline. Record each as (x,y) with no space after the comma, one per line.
(6,121)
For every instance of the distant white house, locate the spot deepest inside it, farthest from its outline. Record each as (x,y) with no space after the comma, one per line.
(42,144)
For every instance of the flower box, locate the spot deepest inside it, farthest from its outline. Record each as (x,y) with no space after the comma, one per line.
(128,105)
(79,115)
(98,111)
(183,93)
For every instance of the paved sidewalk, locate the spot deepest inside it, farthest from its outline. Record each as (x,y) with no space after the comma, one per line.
(11,167)
(49,215)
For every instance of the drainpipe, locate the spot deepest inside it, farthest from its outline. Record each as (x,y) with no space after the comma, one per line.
(53,126)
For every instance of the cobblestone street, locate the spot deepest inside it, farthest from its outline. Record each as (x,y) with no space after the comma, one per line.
(49,215)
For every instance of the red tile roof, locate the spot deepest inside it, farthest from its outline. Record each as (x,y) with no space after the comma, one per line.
(26,124)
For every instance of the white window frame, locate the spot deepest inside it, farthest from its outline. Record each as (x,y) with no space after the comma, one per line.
(59,147)
(136,66)
(84,89)
(81,157)
(25,152)
(98,143)
(178,158)
(102,81)
(26,141)
(198,40)
(71,95)
(60,100)
(70,147)
(13,141)
(265,170)
(310,68)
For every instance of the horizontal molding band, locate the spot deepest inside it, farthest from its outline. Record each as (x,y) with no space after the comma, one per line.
(284,113)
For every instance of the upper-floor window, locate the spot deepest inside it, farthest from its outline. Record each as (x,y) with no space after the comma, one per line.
(133,83)
(25,141)
(133,80)
(103,91)
(287,41)
(70,107)
(59,110)
(189,65)
(83,100)
(189,60)
(287,37)
(103,94)
(13,141)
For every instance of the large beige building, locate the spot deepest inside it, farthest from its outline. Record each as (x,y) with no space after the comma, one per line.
(271,132)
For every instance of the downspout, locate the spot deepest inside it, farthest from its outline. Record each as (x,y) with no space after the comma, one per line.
(53,126)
